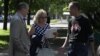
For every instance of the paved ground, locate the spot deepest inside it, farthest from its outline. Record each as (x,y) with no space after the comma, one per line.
(1,25)
(4,53)
(55,44)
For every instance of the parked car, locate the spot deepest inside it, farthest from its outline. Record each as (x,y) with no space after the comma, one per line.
(1,18)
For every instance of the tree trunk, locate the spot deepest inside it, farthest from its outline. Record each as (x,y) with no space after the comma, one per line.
(29,14)
(6,3)
(28,19)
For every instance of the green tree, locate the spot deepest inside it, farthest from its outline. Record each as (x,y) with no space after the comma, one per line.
(92,8)
(52,6)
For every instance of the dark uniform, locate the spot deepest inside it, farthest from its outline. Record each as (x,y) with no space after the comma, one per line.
(79,31)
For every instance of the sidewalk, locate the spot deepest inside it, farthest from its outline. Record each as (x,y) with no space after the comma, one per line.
(55,44)
(4,53)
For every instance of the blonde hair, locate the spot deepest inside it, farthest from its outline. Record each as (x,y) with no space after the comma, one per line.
(38,14)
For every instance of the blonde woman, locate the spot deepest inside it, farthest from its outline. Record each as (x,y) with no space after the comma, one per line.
(38,29)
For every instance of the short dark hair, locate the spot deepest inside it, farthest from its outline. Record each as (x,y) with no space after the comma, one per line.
(75,4)
(22,5)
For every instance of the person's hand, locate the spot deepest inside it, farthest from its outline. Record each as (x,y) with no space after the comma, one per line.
(60,51)
(27,29)
(55,34)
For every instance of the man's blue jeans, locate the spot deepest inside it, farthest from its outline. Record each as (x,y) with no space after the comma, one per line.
(78,49)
